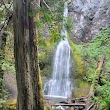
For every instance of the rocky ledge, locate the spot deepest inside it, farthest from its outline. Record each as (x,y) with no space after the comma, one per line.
(89,18)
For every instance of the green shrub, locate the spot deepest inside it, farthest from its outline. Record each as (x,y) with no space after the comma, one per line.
(91,52)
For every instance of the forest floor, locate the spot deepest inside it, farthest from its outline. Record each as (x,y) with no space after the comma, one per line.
(10,85)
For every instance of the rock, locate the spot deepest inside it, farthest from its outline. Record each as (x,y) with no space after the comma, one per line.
(59,108)
(82,89)
(81,92)
(89,17)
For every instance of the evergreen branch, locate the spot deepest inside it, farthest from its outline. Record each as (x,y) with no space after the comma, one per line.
(5,25)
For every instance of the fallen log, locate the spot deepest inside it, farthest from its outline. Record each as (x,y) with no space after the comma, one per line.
(97,73)
(96,79)
(90,106)
(85,97)
(72,104)
(64,102)
(77,100)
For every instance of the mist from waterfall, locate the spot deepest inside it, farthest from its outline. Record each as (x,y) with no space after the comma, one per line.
(60,84)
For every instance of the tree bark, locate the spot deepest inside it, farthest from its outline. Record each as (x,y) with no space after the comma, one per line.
(26,57)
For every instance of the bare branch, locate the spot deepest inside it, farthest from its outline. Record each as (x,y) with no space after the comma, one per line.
(46,5)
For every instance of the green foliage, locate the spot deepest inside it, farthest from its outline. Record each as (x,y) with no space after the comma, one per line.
(42,40)
(9,105)
(78,59)
(45,60)
(5,10)
(8,66)
(104,96)
(2,101)
(100,45)
(54,36)
(5,94)
(8,60)
(46,18)
(91,52)
(50,19)
(6,54)
(69,24)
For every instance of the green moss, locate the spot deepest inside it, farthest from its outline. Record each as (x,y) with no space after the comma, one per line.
(10,105)
(81,84)
(40,91)
(78,59)
(82,88)
(80,92)
(46,108)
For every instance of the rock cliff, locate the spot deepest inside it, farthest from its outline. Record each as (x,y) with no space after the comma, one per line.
(89,18)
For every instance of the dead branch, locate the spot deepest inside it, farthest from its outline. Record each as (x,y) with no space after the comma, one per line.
(100,63)
(90,106)
(46,5)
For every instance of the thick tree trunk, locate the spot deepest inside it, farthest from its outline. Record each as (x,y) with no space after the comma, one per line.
(26,57)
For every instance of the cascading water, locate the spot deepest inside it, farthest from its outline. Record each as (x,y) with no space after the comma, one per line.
(60,84)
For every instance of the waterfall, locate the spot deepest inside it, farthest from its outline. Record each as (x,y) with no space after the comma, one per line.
(60,84)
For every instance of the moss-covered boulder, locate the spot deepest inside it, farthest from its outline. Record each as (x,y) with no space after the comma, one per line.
(82,89)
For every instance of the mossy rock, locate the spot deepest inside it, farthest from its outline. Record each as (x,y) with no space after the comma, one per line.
(82,89)
(80,92)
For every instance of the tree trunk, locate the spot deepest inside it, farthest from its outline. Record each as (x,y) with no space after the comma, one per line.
(26,57)
(39,84)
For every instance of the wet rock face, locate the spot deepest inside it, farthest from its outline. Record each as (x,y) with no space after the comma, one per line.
(89,17)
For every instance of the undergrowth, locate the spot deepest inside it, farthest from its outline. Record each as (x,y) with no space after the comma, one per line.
(91,52)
